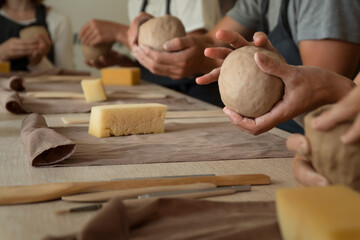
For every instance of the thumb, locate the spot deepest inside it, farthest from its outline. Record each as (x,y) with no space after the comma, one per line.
(178,44)
(272,66)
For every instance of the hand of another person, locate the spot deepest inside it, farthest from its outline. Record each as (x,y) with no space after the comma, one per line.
(43,48)
(236,41)
(183,57)
(133,30)
(99,31)
(303,171)
(113,58)
(346,109)
(306,88)
(15,48)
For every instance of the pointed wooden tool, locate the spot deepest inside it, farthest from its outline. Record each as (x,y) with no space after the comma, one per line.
(52,191)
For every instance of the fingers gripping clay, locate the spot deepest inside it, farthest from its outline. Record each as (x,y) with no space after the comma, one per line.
(94,52)
(244,88)
(338,162)
(155,32)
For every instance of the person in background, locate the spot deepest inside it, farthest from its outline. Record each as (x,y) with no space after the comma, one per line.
(42,53)
(322,33)
(198,16)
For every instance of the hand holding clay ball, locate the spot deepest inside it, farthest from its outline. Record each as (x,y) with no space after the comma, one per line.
(156,31)
(335,160)
(93,53)
(244,88)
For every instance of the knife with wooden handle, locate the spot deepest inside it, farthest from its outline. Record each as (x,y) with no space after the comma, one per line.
(104,196)
(52,191)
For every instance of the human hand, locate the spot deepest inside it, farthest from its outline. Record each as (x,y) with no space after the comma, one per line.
(133,31)
(43,48)
(99,31)
(235,40)
(346,109)
(306,88)
(112,58)
(303,171)
(183,58)
(15,48)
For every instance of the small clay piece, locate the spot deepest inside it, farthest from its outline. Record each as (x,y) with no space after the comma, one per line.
(244,88)
(94,52)
(31,33)
(156,31)
(338,162)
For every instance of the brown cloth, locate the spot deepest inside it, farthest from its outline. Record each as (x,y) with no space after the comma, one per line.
(53,71)
(44,145)
(10,100)
(180,143)
(182,219)
(12,83)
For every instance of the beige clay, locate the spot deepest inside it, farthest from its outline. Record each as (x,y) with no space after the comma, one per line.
(94,52)
(155,32)
(31,33)
(338,162)
(244,88)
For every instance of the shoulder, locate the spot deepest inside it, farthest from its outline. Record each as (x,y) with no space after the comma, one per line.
(54,15)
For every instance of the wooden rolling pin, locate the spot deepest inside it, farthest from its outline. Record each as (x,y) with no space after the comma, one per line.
(52,191)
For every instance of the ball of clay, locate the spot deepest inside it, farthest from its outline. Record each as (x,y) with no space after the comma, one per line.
(244,88)
(31,33)
(338,162)
(155,32)
(94,52)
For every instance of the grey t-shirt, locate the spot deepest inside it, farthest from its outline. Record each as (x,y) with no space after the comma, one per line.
(308,19)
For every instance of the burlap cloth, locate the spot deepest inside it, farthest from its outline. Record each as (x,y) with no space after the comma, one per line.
(180,143)
(182,219)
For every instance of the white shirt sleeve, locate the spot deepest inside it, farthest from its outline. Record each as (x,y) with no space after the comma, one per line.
(60,30)
(194,14)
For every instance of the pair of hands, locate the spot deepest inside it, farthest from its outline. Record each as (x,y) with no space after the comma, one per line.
(183,57)
(306,88)
(35,50)
(97,32)
(346,109)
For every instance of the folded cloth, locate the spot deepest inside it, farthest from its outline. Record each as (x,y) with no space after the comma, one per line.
(11,102)
(53,71)
(12,83)
(173,218)
(44,145)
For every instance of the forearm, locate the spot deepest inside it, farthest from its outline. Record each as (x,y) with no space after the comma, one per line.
(122,35)
(334,55)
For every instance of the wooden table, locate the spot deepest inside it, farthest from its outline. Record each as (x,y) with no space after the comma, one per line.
(35,221)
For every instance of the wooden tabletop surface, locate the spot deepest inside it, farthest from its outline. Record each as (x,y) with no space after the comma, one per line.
(35,221)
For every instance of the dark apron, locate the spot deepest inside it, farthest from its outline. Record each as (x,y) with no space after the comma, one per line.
(11,29)
(208,93)
(282,40)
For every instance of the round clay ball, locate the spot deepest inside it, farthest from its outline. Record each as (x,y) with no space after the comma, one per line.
(31,33)
(244,88)
(156,31)
(338,162)
(94,52)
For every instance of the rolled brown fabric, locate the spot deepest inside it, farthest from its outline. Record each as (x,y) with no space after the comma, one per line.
(12,83)
(11,102)
(174,218)
(44,146)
